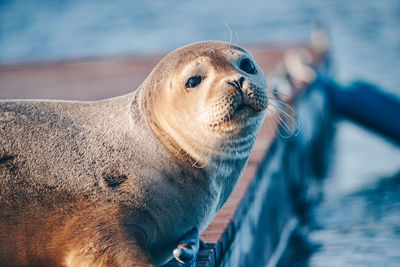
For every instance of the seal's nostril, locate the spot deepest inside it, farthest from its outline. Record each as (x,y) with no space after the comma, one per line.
(241,80)
(238,83)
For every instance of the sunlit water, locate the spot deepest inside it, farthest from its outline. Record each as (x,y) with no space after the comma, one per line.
(358,223)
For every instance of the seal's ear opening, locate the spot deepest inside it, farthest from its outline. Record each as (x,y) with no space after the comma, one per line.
(193,82)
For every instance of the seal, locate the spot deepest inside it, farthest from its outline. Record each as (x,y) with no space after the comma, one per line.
(122,181)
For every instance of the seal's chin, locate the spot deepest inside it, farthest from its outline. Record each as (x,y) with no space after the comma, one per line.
(237,110)
(247,107)
(242,111)
(238,116)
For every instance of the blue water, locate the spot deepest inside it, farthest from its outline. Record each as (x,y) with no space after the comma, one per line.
(361,228)
(358,222)
(365,34)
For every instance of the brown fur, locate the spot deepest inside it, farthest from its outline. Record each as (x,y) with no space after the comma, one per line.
(117,182)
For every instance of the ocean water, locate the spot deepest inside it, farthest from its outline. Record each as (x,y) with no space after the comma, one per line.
(358,221)
(365,34)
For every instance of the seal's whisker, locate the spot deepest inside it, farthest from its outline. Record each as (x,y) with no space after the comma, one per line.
(288,117)
(279,95)
(194,165)
(278,114)
(230,35)
(271,122)
(289,129)
(177,41)
(202,155)
(282,107)
(237,38)
(284,112)
(279,129)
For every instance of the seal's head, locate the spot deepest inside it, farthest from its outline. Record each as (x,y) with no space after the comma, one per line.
(203,96)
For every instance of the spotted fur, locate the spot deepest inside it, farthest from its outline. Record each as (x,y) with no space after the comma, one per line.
(118,182)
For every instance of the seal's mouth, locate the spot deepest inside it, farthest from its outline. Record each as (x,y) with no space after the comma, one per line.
(248,97)
(248,101)
(242,107)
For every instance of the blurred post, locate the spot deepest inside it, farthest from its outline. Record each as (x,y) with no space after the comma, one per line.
(365,104)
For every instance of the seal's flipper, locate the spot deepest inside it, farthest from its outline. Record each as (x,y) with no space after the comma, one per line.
(188,249)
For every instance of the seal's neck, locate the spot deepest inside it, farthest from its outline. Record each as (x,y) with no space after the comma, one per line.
(231,163)
(221,161)
(184,147)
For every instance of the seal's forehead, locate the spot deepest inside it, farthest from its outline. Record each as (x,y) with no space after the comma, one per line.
(210,47)
(220,53)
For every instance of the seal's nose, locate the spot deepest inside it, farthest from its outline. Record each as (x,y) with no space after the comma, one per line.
(241,80)
(238,84)
(250,94)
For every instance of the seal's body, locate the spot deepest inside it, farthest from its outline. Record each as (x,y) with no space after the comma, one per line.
(119,182)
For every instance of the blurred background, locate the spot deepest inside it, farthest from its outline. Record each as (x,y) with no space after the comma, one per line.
(358,221)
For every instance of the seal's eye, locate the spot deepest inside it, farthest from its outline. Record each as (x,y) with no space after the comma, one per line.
(247,65)
(192,82)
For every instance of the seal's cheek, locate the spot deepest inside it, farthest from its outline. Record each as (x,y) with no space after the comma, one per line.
(192,110)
